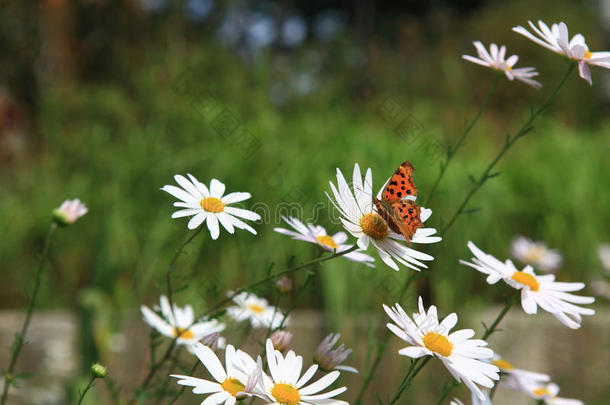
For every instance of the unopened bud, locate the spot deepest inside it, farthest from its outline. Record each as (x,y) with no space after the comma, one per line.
(98,370)
(284,285)
(280,339)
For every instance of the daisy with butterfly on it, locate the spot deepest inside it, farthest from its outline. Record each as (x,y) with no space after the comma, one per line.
(210,205)
(376,220)
(317,234)
(536,290)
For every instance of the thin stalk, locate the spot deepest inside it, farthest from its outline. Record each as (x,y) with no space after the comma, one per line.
(446,391)
(508,143)
(20,337)
(276,275)
(179,393)
(411,374)
(452,150)
(87,388)
(383,344)
(156,366)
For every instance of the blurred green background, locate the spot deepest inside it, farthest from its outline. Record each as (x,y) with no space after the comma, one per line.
(106,101)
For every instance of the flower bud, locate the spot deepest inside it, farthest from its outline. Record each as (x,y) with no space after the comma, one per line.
(281,339)
(98,370)
(284,285)
(68,212)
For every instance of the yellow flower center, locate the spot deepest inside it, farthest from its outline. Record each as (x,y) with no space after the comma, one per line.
(233,386)
(257,309)
(374,226)
(527,279)
(503,364)
(438,344)
(327,241)
(212,204)
(285,394)
(183,333)
(541,392)
(588,55)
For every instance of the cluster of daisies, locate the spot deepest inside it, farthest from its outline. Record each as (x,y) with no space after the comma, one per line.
(277,377)
(280,381)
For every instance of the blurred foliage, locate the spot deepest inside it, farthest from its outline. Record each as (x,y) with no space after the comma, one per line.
(113,136)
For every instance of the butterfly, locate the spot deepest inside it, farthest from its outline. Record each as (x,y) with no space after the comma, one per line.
(396,206)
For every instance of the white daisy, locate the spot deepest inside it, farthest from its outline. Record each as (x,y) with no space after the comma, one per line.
(69,211)
(495,59)
(239,380)
(210,205)
(286,386)
(180,323)
(459,353)
(557,40)
(527,377)
(317,234)
(604,256)
(360,218)
(545,392)
(257,310)
(535,253)
(536,290)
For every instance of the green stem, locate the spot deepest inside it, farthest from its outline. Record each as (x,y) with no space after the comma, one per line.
(508,143)
(89,385)
(179,393)
(156,366)
(411,374)
(383,344)
(276,275)
(452,150)
(20,337)
(87,388)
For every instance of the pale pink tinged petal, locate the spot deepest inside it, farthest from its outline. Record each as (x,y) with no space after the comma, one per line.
(502,53)
(511,61)
(197,220)
(321,384)
(235,197)
(180,194)
(564,38)
(578,51)
(475,60)
(483,54)
(577,39)
(585,72)
(494,52)
(528,35)
(217,188)
(213,226)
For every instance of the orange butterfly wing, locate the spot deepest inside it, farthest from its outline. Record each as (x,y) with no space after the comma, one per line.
(402,215)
